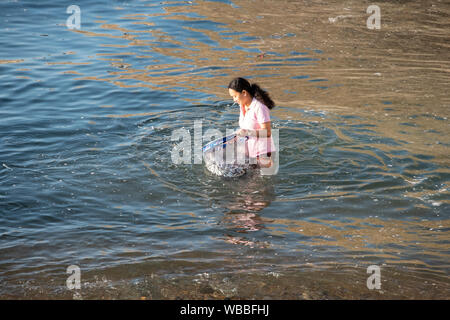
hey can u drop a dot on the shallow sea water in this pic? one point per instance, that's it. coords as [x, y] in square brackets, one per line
[87, 178]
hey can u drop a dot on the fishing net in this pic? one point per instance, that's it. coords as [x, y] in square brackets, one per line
[228, 157]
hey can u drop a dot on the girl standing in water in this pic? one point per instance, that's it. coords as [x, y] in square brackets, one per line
[254, 119]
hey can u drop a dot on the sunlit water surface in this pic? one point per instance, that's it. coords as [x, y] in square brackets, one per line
[87, 178]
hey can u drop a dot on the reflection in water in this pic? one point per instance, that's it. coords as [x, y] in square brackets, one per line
[253, 194]
[364, 137]
[244, 209]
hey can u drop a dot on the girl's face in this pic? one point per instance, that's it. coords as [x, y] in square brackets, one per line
[242, 98]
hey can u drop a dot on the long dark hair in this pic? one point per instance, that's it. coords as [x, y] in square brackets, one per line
[240, 84]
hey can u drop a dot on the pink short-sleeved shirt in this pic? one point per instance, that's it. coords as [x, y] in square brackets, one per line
[257, 114]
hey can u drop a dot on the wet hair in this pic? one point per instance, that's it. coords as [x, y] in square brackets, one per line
[240, 84]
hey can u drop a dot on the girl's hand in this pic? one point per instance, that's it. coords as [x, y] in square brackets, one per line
[242, 133]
